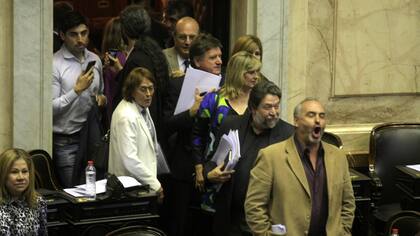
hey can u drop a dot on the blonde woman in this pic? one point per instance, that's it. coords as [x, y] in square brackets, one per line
[242, 74]
[22, 210]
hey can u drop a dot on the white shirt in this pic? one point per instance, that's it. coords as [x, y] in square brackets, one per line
[70, 110]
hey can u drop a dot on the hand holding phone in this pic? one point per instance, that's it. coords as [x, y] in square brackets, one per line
[85, 79]
[113, 52]
[90, 65]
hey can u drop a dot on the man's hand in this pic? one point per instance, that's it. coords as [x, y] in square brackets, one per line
[218, 176]
[160, 195]
[84, 81]
[101, 100]
[197, 101]
[199, 178]
[113, 62]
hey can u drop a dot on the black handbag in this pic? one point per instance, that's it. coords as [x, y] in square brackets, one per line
[114, 187]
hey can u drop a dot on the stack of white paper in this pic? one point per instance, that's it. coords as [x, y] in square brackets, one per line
[414, 167]
[229, 147]
[80, 190]
[199, 79]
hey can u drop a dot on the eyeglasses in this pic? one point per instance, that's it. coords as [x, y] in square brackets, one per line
[184, 37]
[144, 89]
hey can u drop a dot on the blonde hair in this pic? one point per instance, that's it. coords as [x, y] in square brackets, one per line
[7, 159]
[248, 43]
[238, 65]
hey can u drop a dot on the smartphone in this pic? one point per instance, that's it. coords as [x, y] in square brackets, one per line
[113, 52]
[90, 65]
[203, 93]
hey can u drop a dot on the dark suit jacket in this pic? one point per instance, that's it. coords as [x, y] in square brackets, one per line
[223, 201]
[178, 128]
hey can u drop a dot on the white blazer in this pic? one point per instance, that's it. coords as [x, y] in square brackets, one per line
[132, 149]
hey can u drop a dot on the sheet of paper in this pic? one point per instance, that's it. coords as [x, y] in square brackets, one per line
[80, 190]
[222, 150]
[194, 78]
[414, 167]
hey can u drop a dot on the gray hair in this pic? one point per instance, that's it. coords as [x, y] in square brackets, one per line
[135, 21]
[298, 108]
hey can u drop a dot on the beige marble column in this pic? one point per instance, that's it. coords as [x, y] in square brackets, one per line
[32, 65]
[6, 76]
[268, 20]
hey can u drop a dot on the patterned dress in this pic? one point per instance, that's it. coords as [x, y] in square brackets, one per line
[17, 218]
[213, 109]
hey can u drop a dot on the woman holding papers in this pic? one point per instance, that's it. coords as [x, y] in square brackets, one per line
[134, 150]
[232, 99]
[22, 210]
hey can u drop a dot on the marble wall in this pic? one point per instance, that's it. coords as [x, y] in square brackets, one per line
[25, 67]
[6, 76]
[360, 58]
[32, 66]
[377, 47]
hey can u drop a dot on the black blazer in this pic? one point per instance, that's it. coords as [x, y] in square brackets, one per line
[223, 199]
[178, 131]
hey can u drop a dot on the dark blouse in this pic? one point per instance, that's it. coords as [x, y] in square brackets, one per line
[17, 218]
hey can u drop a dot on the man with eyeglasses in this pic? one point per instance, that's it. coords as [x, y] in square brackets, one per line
[258, 128]
[186, 30]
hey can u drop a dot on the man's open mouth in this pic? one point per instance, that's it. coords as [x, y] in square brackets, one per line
[316, 133]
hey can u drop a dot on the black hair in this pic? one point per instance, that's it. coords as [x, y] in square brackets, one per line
[179, 9]
[72, 19]
[201, 44]
[135, 21]
[260, 90]
[60, 10]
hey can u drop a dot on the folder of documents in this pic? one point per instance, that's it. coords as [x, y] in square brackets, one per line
[228, 151]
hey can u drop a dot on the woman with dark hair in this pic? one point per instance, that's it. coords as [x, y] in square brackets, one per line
[115, 54]
[133, 146]
[22, 210]
[144, 52]
[251, 44]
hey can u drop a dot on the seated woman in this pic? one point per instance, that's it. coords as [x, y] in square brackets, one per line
[133, 145]
[22, 210]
